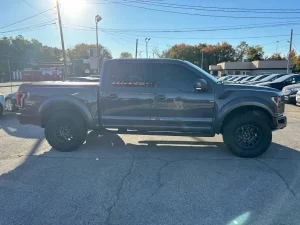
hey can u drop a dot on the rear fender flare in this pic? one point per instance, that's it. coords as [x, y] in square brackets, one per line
[66, 100]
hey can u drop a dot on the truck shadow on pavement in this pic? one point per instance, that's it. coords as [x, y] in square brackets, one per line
[109, 181]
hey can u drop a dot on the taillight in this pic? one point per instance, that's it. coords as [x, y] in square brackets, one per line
[20, 97]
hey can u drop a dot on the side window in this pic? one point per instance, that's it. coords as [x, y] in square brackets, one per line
[297, 79]
[174, 76]
[129, 74]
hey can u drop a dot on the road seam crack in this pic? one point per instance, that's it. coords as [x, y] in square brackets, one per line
[280, 176]
[119, 190]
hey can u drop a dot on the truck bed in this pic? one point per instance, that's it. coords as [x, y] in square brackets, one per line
[58, 95]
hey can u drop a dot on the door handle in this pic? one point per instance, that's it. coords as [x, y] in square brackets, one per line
[112, 96]
[159, 97]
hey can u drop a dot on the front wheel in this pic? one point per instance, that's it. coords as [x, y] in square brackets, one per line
[65, 132]
[248, 135]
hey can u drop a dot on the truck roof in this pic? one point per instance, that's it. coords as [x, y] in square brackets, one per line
[146, 60]
[65, 83]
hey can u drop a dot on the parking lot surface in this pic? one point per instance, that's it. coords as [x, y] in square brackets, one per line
[139, 180]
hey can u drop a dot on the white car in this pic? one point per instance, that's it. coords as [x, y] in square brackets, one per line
[298, 98]
[2, 104]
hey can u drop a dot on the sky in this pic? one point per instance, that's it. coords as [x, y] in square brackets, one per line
[124, 21]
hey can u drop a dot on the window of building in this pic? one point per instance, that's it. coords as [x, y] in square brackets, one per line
[237, 72]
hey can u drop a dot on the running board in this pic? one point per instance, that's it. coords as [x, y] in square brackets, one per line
[161, 133]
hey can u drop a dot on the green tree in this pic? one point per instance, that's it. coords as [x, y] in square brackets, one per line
[82, 51]
[296, 61]
[190, 53]
[241, 50]
[126, 55]
[255, 53]
[276, 56]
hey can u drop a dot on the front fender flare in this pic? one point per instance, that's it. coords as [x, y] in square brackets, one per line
[238, 103]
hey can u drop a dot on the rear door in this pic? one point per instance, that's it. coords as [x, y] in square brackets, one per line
[176, 105]
[126, 98]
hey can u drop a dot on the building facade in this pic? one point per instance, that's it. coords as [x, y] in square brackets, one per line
[258, 67]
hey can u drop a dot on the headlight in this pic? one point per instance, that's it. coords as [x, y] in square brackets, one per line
[276, 100]
[287, 91]
[294, 90]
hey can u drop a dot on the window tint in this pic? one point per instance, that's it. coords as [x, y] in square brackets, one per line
[297, 79]
[174, 76]
[129, 74]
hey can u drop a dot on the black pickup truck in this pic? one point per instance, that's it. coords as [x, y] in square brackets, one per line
[154, 97]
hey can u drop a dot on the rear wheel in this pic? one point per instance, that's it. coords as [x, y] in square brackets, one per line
[10, 106]
[248, 135]
[65, 132]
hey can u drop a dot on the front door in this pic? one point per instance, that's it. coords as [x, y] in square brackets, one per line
[126, 102]
[176, 104]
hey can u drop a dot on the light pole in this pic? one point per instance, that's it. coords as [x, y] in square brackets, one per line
[147, 40]
[97, 20]
[62, 40]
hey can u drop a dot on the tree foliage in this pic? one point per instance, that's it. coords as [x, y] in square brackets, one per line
[255, 53]
[23, 53]
[276, 56]
[126, 55]
[81, 51]
[212, 54]
[241, 50]
[296, 61]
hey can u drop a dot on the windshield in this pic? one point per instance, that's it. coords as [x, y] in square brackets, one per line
[223, 78]
[268, 78]
[239, 79]
[203, 71]
[257, 78]
[247, 79]
[283, 78]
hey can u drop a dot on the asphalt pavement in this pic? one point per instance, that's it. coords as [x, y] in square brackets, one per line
[141, 180]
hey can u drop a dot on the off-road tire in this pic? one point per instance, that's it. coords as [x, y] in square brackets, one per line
[251, 119]
[77, 125]
[14, 108]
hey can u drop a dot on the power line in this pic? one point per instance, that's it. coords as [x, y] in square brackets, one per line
[296, 47]
[29, 27]
[213, 7]
[197, 38]
[207, 9]
[35, 9]
[112, 37]
[20, 21]
[196, 14]
[188, 30]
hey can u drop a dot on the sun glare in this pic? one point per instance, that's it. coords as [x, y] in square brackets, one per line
[72, 6]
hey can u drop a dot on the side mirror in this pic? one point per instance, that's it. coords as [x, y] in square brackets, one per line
[200, 85]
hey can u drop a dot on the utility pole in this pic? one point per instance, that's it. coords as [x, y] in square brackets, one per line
[290, 51]
[277, 47]
[62, 40]
[97, 19]
[202, 60]
[153, 55]
[147, 40]
[9, 76]
[136, 47]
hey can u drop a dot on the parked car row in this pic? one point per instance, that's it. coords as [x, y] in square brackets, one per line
[289, 84]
